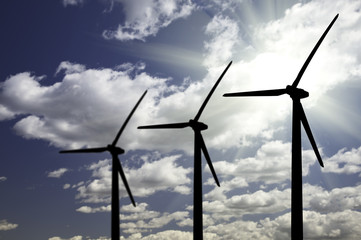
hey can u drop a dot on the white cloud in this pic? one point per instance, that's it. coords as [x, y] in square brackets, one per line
[335, 200]
[2, 179]
[78, 237]
[259, 202]
[338, 225]
[153, 223]
[224, 33]
[344, 162]
[87, 209]
[72, 2]
[57, 173]
[70, 68]
[5, 225]
[86, 108]
[145, 18]
[271, 164]
[163, 174]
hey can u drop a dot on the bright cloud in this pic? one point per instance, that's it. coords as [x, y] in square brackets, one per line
[5, 225]
[57, 173]
[70, 113]
[345, 162]
[164, 174]
[72, 2]
[87, 209]
[224, 38]
[145, 18]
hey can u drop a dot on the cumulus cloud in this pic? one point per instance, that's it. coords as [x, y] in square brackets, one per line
[5, 225]
[145, 18]
[345, 162]
[87, 209]
[156, 222]
[80, 107]
[271, 164]
[163, 174]
[57, 173]
[338, 225]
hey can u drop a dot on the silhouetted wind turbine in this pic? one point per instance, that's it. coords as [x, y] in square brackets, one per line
[199, 146]
[298, 116]
[116, 167]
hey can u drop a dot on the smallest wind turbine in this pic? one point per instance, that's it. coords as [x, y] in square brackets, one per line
[298, 117]
[199, 147]
[116, 167]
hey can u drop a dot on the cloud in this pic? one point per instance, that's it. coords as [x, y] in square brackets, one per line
[271, 164]
[57, 173]
[338, 225]
[162, 174]
[72, 2]
[78, 237]
[145, 18]
[224, 37]
[344, 162]
[83, 105]
[87, 209]
[5, 225]
[143, 221]
[335, 200]
[2, 179]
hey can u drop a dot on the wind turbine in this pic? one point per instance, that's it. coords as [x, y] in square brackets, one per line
[116, 167]
[199, 146]
[298, 116]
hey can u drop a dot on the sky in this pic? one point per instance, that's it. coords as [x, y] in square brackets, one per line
[72, 70]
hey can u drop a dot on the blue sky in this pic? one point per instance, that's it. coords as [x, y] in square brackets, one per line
[72, 70]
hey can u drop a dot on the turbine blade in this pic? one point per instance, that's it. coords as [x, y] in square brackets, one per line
[86, 150]
[127, 120]
[307, 128]
[122, 175]
[273, 92]
[206, 155]
[308, 60]
[210, 93]
[169, 125]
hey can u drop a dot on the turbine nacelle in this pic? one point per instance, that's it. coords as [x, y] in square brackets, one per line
[195, 125]
[296, 93]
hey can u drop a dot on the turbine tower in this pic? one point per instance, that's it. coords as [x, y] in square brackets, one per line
[298, 117]
[199, 146]
[116, 167]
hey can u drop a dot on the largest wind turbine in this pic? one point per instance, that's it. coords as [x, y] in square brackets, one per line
[116, 167]
[199, 146]
[298, 117]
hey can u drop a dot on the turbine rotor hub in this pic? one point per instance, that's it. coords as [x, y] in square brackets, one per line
[197, 125]
[297, 93]
[115, 150]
